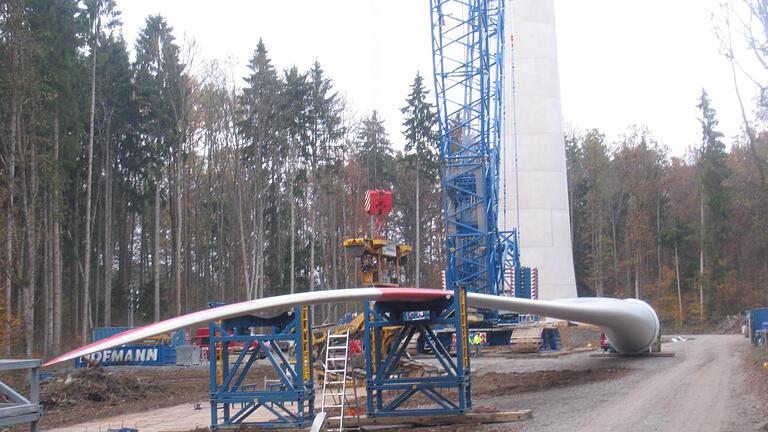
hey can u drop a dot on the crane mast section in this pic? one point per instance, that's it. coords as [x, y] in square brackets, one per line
[468, 60]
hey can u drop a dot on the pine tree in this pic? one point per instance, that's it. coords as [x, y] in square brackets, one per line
[99, 14]
[260, 106]
[116, 121]
[421, 143]
[375, 152]
[160, 95]
[56, 29]
[324, 131]
[21, 83]
[713, 172]
[294, 115]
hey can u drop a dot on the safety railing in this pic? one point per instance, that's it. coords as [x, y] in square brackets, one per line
[21, 409]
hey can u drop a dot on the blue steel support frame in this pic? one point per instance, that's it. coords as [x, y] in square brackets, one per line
[234, 399]
[468, 60]
[387, 391]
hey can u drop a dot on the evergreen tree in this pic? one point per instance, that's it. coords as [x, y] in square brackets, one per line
[116, 121]
[160, 96]
[57, 32]
[294, 115]
[375, 152]
[324, 133]
[265, 153]
[421, 142]
[597, 167]
[260, 108]
[712, 172]
[99, 15]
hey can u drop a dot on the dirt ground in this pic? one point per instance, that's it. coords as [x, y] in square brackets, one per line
[714, 383]
[88, 394]
[107, 397]
[69, 398]
[495, 383]
[756, 377]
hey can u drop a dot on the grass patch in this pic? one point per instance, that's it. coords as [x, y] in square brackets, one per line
[760, 356]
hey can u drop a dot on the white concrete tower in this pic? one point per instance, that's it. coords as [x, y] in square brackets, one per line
[534, 190]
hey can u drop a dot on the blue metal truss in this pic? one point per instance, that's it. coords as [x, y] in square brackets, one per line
[510, 256]
[468, 60]
[235, 394]
[388, 390]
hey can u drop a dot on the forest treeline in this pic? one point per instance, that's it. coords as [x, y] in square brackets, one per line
[144, 182]
[140, 185]
[689, 235]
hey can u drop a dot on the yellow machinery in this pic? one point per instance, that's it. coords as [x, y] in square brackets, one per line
[381, 265]
[381, 261]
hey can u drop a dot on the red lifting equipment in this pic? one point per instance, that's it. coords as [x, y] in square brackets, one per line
[378, 202]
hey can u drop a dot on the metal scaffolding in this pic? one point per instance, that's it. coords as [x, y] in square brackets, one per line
[236, 395]
[449, 391]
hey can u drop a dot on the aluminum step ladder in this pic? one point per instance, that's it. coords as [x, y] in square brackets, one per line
[335, 377]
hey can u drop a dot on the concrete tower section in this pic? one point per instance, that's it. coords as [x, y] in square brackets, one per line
[534, 189]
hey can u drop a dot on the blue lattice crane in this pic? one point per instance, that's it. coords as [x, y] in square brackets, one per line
[468, 57]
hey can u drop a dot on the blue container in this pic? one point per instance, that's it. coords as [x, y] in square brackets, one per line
[100, 333]
[133, 355]
[758, 320]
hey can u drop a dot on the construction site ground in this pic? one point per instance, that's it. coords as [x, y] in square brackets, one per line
[713, 383]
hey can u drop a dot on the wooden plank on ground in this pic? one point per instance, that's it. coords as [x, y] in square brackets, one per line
[437, 420]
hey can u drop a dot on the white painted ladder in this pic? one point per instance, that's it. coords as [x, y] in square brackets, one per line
[335, 377]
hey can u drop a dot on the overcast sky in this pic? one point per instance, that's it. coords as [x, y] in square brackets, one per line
[621, 61]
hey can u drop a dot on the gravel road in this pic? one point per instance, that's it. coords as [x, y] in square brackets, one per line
[702, 388]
